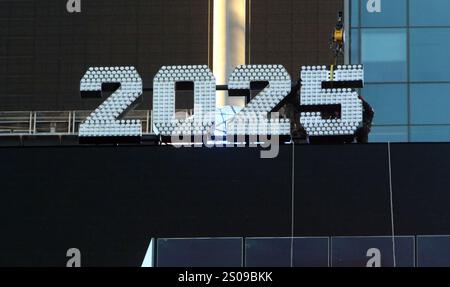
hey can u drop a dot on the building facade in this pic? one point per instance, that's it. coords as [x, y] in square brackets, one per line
[45, 49]
[404, 46]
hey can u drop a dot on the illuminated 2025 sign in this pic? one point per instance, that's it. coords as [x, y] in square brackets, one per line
[321, 87]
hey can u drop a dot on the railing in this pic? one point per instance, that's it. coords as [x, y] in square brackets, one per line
[59, 122]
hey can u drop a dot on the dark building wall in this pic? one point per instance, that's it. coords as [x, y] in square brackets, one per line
[292, 32]
[44, 50]
[109, 201]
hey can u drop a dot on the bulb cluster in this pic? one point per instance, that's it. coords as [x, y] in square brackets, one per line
[103, 122]
[165, 122]
[258, 126]
[184, 127]
[312, 94]
[349, 73]
[252, 119]
[279, 85]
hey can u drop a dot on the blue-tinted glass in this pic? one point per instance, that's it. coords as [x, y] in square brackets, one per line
[430, 59]
[433, 251]
[390, 13]
[429, 12]
[199, 252]
[354, 7]
[311, 252]
[384, 55]
[276, 252]
[430, 134]
[372, 252]
[354, 47]
[389, 102]
[430, 104]
[273, 252]
[389, 134]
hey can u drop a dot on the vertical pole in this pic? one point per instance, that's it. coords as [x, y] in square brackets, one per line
[69, 124]
[347, 32]
[148, 122]
[34, 123]
[74, 121]
[30, 127]
[228, 41]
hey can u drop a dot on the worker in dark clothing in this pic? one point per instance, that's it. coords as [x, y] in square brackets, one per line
[362, 134]
[292, 110]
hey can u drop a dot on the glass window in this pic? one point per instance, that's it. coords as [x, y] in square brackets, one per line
[389, 102]
[384, 54]
[354, 8]
[430, 60]
[391, 13]
[430, 134]
[268, 252]
[433, 251]
[371, 251]
[214, 252]
[389, 134]
[276, 252]
[354, 47]
[429, 12]
[430, 104]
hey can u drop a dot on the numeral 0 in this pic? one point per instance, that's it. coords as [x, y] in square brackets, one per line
[164, 100]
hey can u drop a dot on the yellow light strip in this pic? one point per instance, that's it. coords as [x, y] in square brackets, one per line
[228, 40]
[237, 33]
[220, 41]
[332, 73]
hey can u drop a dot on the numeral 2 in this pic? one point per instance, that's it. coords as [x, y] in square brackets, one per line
[252, 119]
[105, 120]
